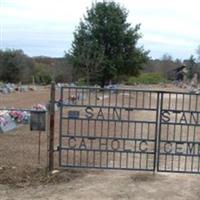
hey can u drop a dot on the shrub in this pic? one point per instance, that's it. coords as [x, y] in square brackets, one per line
[60, 78]
[146, 78]
[43, 78]
[41, 75]
[81, 82]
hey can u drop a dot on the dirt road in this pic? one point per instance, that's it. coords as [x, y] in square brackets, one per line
[113, 185]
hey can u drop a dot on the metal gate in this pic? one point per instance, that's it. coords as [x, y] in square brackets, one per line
[129, 129]
[179, 133]
[108, 129]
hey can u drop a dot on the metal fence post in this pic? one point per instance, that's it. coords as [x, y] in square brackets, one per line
[52, 124]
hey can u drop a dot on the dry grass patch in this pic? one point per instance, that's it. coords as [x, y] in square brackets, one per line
[28, 176]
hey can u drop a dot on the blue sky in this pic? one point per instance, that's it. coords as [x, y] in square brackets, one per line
[45, 27]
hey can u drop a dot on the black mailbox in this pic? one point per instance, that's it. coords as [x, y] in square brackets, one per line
[38, 121]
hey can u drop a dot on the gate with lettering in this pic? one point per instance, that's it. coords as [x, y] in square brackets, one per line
[179, 133]
[129, 129]
[108, 128]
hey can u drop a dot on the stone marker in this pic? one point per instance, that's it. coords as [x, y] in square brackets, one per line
[6, 123]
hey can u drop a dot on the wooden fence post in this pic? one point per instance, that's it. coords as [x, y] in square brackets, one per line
[52, 125]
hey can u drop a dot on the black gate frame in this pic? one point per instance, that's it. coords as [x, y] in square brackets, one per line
[159, 126]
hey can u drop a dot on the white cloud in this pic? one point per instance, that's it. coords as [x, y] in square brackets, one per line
[171, 25]
[59, 10]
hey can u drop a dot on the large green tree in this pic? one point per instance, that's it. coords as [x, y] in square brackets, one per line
[105, 45]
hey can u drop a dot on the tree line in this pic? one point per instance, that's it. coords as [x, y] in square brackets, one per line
[17, 67]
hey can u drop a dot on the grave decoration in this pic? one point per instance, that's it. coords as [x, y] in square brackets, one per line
[20, 116]
[40, 107]
[112, 87]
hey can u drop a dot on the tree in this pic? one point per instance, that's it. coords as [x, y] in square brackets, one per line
[15, 66]
[198, 53]
[41, 74]
[191, 67]
[167, 57]
[167, 64]
[105, 45]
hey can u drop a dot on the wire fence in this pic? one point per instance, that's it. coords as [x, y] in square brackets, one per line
[19, 145]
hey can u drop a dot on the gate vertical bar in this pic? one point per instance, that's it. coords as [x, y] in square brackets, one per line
[159, 130]
[52, 124]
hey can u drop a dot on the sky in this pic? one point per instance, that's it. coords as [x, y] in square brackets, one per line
[45, 27]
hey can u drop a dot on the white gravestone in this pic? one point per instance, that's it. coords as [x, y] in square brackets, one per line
[6, 123]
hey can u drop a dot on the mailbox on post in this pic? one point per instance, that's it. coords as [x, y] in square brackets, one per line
[38, 121]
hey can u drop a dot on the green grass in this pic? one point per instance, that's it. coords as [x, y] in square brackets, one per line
[81, 82]
[146, 78]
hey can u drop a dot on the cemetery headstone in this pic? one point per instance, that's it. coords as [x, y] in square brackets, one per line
[6, 123]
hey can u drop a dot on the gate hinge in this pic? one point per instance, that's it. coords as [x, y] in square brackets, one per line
[56, 148]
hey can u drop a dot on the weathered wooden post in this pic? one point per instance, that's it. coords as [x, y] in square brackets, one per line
[51, 130]
[39, 145]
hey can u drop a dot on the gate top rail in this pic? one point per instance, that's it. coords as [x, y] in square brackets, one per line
[21, 109]
[135, 90]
